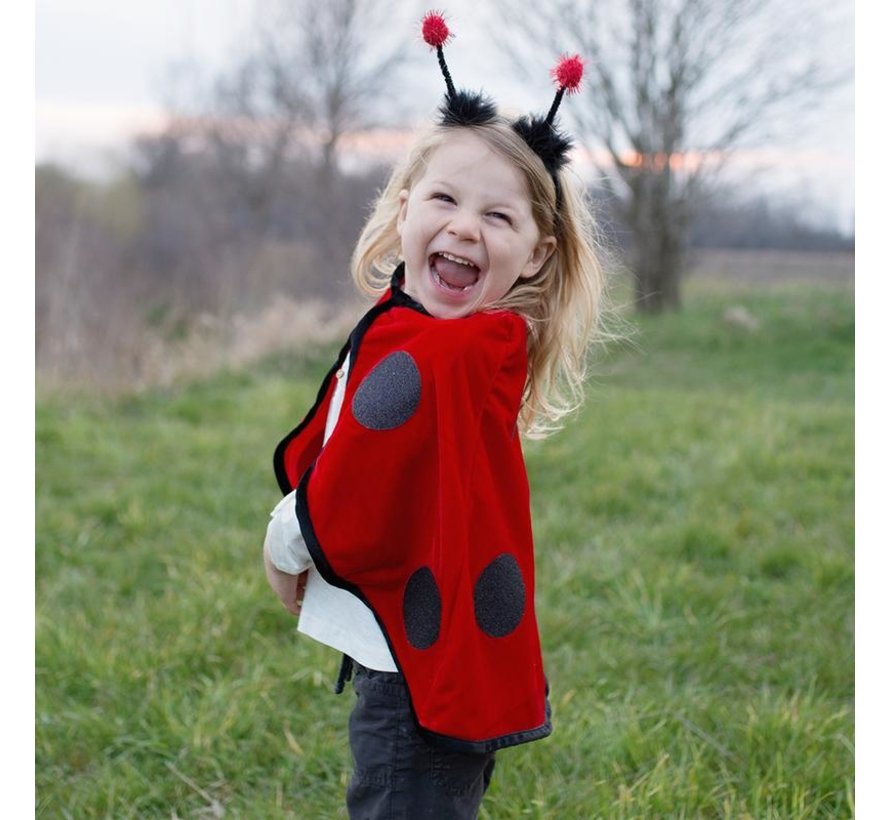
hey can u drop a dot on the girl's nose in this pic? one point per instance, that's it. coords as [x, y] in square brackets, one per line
[464, 225]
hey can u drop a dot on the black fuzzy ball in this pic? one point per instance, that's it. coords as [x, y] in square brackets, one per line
[467, 108]
[547, 141]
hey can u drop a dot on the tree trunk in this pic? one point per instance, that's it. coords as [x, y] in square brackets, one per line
[658, 226]
[657, 278]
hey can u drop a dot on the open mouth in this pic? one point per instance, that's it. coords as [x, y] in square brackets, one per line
[452, 272]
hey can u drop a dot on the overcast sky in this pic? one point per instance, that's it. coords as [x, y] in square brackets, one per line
[103, 68]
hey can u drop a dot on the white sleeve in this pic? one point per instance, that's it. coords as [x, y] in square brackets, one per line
[284, 541]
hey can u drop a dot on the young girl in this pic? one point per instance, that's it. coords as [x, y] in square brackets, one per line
[404, 538]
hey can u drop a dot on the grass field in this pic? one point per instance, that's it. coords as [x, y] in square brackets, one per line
[694, 529]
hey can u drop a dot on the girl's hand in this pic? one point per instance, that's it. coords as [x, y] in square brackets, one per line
[289, 588]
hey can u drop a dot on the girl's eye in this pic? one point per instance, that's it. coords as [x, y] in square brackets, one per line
[499, 215]
[443, 197]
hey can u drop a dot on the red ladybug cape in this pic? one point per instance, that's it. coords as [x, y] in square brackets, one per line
[419, 505]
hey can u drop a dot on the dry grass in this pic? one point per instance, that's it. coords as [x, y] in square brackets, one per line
[764, 267]
[149, 357]
[130, 355]
[242, 340]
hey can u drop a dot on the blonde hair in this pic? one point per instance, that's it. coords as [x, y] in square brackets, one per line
[561, 304]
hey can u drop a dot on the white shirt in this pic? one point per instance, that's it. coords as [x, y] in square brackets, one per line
[330, 615]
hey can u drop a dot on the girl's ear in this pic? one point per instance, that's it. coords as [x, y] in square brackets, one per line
[541, 253]
[403, 210]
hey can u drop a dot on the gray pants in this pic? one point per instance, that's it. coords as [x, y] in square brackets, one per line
[398, 775]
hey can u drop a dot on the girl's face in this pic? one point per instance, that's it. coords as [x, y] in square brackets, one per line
[467, 229]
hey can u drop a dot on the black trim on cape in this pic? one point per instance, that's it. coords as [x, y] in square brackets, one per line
[397, 298]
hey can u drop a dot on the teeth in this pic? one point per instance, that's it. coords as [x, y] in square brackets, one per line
[452, 258]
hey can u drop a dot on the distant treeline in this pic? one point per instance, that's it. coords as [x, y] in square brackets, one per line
[735, 221]
[178, 238]
[763, 224]
[185, 232]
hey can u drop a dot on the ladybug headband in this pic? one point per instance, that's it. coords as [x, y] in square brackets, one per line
[468, 108]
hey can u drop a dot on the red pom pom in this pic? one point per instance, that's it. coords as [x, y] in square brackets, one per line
[568, 73]
[435, 29]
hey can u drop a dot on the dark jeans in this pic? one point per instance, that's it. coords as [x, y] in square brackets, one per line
[398, 775]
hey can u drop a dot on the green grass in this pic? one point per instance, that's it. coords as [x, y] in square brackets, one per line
[694, 528]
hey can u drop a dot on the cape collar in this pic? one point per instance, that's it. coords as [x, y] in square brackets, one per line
[399, 297]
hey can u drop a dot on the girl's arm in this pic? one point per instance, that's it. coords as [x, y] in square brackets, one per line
[285, 556]
[289, 588]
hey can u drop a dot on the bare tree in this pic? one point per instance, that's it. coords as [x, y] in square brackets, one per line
[262, 138]
[672, 89]
[311, 72]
